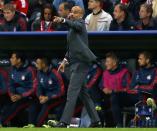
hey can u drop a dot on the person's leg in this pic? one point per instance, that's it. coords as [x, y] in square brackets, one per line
[45, 108]
[118, 102]
[78, 73]
[4, 104]
[33, 111]
[116, 110]
[42, 114]
[12, 110]
[133, 99]
[90, 107]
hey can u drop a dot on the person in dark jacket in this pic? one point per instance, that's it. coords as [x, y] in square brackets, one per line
[22, 83]
[79, 57]
[146, 21]
[122, 20]
[64, 11]
[12, 21]
[50, 88]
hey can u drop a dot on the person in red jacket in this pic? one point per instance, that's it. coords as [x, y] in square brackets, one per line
[21, 6]
[124, 2]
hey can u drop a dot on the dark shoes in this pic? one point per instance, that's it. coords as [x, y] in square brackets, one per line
[92, 125]
[61, 125]
[95, 125]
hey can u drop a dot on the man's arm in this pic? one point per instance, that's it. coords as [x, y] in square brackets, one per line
[76, 25]
[31, 83]
[63, 64]
[134, 83]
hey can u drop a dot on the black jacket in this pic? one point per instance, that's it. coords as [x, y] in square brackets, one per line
[152, 25]
[18, 23]
[77, 40]
[127, 24]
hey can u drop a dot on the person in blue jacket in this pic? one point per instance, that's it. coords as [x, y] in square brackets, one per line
[50, 88]
[144, 80]
[21, 86]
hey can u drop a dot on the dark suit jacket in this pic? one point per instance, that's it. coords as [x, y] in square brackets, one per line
[77, 42]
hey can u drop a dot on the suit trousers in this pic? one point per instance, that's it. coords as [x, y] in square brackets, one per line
[78, 72]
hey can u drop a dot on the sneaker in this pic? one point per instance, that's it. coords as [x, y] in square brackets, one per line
[151, 102]
[52, 123]
[46, 126]
[61, 125]
[95, 124]
[29, 126]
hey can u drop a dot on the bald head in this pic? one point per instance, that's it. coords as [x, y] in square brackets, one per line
[77, 12]
[78, 9]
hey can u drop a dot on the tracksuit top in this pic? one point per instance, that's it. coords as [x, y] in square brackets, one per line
[93, 76]
[50, 84]
[22, 81]
[144, 79]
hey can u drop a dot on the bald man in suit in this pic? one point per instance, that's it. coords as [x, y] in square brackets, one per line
[79, 57]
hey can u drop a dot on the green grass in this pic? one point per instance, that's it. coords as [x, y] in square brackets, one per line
[78, 129]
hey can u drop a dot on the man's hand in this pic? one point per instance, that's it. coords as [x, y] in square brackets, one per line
[58, 19]
[40, 98]
[70, 16]
[62, 65]
[15, 98]
[43, 99]
[107, 91]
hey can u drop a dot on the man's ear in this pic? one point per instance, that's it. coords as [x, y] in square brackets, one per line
[115, 63]
[19, 60]
[148, 61]
[13, 12]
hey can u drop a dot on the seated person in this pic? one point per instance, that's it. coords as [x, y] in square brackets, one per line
[21, 86]
[146, 21]
[49, 92]
[122, 20]
[45, 22]
[12, 20]
[64, 11]
[115, 82]
[98, 20]
[145, 78]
